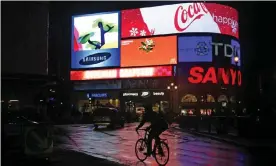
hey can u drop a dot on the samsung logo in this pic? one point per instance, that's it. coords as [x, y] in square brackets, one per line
[95, 58]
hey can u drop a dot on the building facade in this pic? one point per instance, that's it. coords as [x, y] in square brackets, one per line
[187, 59]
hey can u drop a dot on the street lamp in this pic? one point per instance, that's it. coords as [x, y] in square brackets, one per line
[236, 59]
[172, 87]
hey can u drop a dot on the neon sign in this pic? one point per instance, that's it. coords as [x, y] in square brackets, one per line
[158, 93]
[130, 94]
[215, 76]
[97, 95]
[139, 72]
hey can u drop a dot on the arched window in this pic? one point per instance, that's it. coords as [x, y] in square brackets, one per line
[222, 98]
[189, 98]
[210, 98]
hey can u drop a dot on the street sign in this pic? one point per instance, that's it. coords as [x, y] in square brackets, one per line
[38, 140]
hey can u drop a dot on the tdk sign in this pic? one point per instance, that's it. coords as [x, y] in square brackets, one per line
[95, 58]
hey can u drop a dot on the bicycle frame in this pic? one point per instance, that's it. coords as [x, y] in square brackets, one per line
[146, 138]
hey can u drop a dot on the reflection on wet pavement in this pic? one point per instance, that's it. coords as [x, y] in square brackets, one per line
[185, 149]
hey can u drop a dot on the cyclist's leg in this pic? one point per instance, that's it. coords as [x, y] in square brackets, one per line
[150, 138]
[157, 138]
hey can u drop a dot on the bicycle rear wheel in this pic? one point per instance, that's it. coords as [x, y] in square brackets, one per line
[140, 149]
[162, 154]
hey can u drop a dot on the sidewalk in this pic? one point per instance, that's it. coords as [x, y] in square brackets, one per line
[232, 139]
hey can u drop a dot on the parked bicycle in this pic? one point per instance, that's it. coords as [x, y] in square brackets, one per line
[160, 151]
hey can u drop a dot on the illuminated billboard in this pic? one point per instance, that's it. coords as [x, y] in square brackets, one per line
[195, 49]
[209, 74]
[149, 51]
[180, 18]
[139, 72]
[95, 41]
[218, 49]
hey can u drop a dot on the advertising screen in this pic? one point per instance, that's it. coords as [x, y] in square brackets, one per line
[195, 49]
[218, 49]
[237, 52]
[95, 41]
[209, 74]
[149, 51]
[141, 72]
[180, 18]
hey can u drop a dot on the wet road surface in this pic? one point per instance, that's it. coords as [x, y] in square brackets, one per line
[118, 145]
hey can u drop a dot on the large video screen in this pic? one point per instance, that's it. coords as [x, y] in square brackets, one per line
[180, 18]
[138, 72]
[195, 49]
[218, 49]
[149, 51]
[95, 41]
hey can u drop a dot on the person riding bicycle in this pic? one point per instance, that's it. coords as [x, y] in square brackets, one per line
[157, 126]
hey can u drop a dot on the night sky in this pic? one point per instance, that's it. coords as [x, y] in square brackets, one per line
[23, 36]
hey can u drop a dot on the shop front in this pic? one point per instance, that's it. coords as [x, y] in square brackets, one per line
[134, 101]
[89, 100]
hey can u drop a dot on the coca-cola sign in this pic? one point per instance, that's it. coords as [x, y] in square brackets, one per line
[184, 17]
[180, 18]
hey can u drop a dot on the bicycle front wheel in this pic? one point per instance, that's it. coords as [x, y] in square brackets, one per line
[162, 153]
[140, 149]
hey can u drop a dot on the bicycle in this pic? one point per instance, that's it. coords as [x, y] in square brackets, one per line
[141, 146]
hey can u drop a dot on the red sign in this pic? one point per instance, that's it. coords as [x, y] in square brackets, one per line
[139, 72]
[215, 76]
[180, 18]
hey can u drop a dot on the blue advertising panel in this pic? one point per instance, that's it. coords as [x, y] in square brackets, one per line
[237, 52]
[95, 41]
[195, 49]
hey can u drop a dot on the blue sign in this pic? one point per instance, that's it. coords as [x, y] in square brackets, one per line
[95, 58]
[96, 95]
[236, 46]
[96, 40]
[195, 49]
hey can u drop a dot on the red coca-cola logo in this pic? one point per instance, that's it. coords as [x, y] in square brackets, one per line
[189, 15]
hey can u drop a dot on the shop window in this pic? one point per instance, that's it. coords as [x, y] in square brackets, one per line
[206, 112]
[187, 112]
[210, 99]
[189, 98]
[222, 98]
